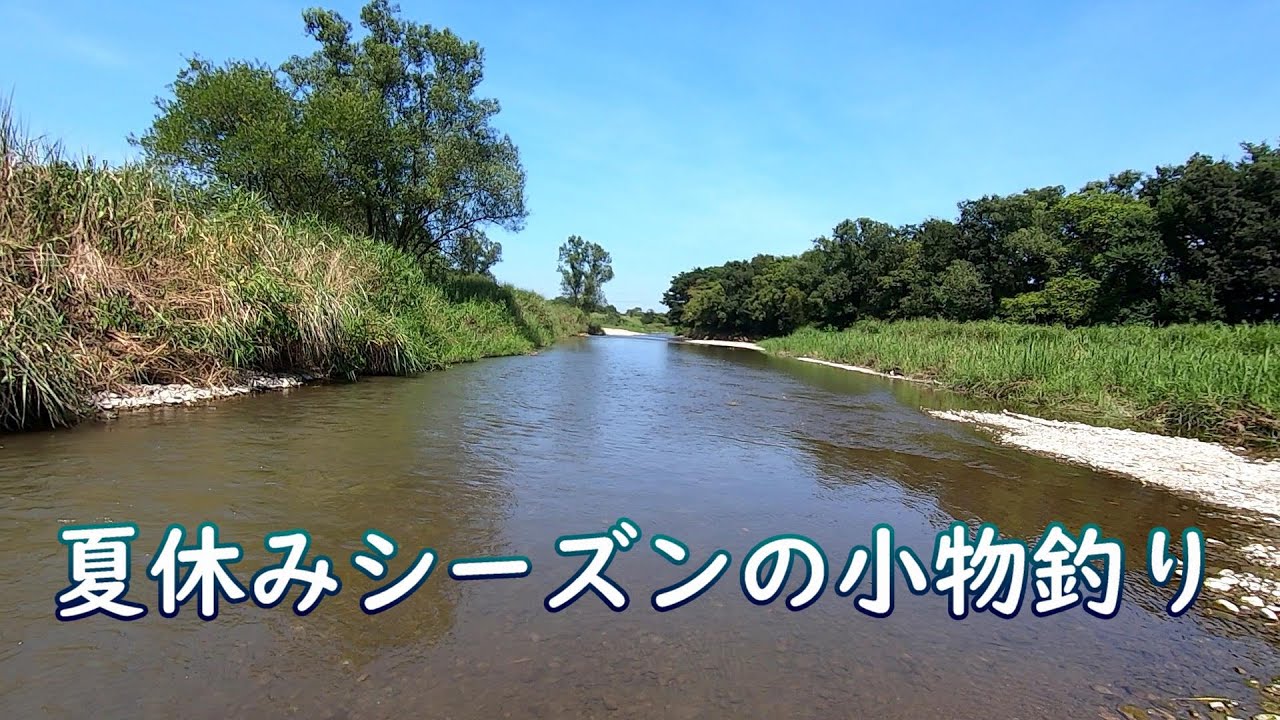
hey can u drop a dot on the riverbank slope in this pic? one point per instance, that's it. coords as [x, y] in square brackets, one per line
[114, 278]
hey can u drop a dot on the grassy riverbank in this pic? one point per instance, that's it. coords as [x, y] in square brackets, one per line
[111, 276]
[1207, 381]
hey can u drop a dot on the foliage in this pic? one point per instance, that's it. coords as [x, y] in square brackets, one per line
[584, 269]
[646, 317]
[1211, 380]
[1067, 300]
[635, 319]
[961, 293]
[1194, 242]
[708, 307]
[114, 276]
[382, 135]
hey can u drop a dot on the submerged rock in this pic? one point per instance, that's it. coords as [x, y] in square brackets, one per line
[1133, 712]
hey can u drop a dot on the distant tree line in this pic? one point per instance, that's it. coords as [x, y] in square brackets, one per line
[647, 317]
[1193, 242]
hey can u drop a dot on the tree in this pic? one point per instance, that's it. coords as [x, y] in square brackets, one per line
[940, 243]
[708, 308]
[475, 253]
[383, 135]
[961, 293]
[677, 296]
[584, 269]
[1112, 237]
[846, 270]
[1014, 239]
[1220, 222]
[779, 299]
[1068, 300]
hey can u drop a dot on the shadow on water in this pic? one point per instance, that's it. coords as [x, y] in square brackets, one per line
[718, 448]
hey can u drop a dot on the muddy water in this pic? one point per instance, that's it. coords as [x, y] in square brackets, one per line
[717, 448]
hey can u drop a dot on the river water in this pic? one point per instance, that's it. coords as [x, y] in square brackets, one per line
[714, 447]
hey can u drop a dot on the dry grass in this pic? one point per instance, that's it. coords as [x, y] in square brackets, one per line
[115, 275]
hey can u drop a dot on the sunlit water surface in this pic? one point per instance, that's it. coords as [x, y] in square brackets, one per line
[716, 448]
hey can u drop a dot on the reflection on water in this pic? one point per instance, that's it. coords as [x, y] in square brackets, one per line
[716, 448]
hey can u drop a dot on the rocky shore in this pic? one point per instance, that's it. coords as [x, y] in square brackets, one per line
[1209, 471]
[133, 397]
[1245, 593]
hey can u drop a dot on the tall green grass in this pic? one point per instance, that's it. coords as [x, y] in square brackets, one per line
[116, 275]
[1209, 381]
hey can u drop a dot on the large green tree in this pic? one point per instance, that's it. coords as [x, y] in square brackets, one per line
[1220, 223]
[383, 134]
[584, 269]
[1111, 236]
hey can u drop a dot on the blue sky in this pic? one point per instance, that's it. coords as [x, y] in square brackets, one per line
[678, 134]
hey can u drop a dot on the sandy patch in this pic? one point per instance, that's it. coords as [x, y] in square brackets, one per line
[725, 343]
[856, 368]
[828, 363]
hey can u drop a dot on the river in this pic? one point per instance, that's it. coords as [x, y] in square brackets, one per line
[714, 447]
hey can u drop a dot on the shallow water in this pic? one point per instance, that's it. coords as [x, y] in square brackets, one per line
[717, 448]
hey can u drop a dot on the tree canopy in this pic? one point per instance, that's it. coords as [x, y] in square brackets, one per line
[1198, 241]
[383, 135]
[584, 269]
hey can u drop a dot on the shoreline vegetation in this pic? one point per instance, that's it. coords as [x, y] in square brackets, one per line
[1107, 404]
[633, 321]
[1208, 382]
[1148, 300]
[1211, 471]
[1211, 383]
[121, 286]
